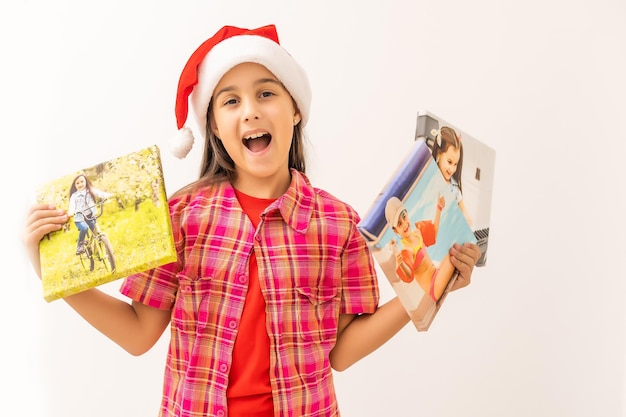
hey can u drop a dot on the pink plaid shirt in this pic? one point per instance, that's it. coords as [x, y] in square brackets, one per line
[313, 266]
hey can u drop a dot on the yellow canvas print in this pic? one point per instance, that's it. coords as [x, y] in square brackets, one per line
[119, 224]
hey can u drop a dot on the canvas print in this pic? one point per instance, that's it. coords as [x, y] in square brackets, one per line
[420, 213]
[119, 224]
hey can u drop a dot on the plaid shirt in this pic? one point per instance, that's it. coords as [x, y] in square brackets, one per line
[313, 265]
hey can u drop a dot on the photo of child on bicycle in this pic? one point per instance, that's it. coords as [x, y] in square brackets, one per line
[118, 224]
[83, 198]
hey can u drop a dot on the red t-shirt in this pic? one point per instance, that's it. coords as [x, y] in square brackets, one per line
[249, 392]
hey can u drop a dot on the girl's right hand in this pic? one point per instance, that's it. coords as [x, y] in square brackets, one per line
[41, 220]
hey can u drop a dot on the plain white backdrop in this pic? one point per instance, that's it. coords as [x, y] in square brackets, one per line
[539, 332]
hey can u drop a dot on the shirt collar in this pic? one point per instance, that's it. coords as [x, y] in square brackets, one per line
[295, 205]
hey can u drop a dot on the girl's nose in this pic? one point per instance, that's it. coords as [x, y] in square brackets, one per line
[250, 110]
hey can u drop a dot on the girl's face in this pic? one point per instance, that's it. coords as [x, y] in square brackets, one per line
[448, 162]
[80, 183]
[403, 228]
[254, 117]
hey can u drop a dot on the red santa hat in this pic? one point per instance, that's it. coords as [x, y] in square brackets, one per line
[229, 47]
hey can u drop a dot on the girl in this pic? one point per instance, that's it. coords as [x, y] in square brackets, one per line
[413, 261]
[273, 284]
[83, 197]
[448, 153]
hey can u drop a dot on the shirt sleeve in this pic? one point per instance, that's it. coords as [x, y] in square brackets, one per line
[102, 194]
[360, 292]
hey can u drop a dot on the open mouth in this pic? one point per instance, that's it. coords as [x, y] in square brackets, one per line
[258, 142]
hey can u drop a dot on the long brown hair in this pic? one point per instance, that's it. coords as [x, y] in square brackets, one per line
[218, 166]
[88, 184]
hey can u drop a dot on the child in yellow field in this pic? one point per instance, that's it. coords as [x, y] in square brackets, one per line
[82, 206]
[412, 260]
[447, 150]
[274, 286]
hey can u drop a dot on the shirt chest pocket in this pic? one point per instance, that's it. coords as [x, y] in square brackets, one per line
[317, 313]
[191, 310]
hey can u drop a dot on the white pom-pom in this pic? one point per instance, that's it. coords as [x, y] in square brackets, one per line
[182, 143]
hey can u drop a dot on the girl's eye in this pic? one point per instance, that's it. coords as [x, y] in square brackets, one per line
[230, 102]
[266, 94]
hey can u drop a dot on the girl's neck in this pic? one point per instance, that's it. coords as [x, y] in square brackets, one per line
[266, 188]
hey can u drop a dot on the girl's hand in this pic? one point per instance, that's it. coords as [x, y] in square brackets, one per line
[441, 202]
[393, 246]
[464, 258]
[41, 220]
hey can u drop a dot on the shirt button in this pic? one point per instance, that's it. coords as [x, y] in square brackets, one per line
[232, 324]
[223, 368]
[258, 238]
[220, 413]
[243, 279]
[188, 288]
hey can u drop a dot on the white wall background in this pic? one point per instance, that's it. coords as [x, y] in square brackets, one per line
[540, 332]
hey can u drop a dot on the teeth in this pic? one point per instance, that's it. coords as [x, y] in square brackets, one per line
[255, 135]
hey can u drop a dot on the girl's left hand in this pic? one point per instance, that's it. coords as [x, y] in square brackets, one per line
[464, 258]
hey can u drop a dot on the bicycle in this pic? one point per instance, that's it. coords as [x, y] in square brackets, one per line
[97, 246]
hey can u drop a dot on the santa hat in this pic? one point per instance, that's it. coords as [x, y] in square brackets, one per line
[229, 47]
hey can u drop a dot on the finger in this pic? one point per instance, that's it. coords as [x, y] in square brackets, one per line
[38, 211]
[460, 282]
[472, 250]
[36, 233]
[41, 220]
[468, 253]
[465, 269]
[39, 216]
[463, 258]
